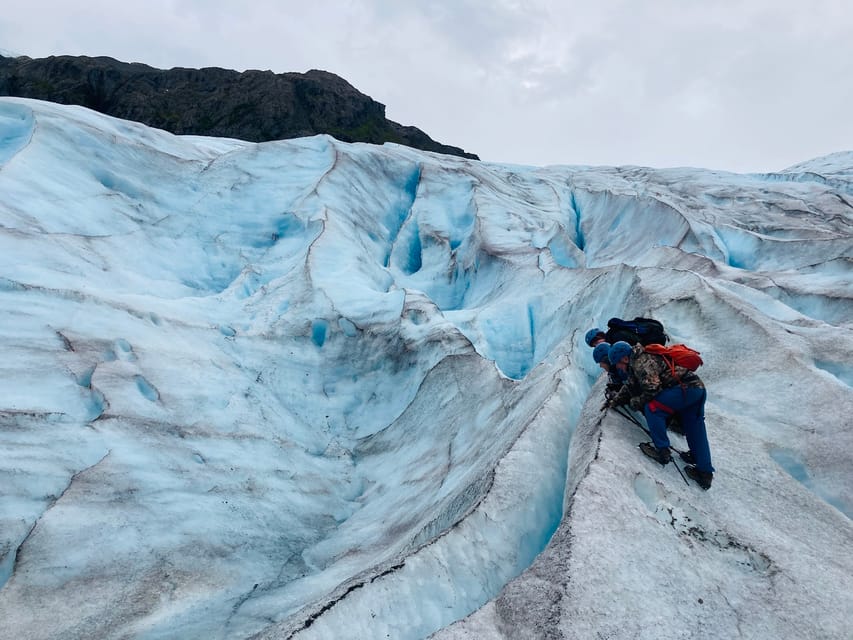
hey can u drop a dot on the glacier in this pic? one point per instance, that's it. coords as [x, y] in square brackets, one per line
[308, 389]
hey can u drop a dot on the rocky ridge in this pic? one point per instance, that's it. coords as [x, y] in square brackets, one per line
[257, 106]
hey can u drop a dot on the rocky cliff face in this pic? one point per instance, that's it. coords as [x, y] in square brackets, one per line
[252, 105]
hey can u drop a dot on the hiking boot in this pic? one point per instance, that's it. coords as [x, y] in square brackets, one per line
[702, 478]
[687, 456]
[658, 455]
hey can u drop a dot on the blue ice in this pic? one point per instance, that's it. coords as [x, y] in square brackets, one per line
[793, 464]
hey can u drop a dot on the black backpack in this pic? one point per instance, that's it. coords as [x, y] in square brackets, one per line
[642, 330]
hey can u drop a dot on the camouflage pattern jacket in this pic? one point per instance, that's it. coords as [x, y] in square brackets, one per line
[648, 375]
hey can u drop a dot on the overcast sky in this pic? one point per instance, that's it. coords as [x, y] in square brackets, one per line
[750, 85]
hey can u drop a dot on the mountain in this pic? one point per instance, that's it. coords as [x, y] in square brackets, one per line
[310, 389]
[257, 106]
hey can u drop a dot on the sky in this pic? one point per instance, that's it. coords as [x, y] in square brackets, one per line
[744, 86]
[317, 390]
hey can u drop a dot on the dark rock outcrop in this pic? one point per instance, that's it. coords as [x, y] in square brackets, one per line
[252, 105]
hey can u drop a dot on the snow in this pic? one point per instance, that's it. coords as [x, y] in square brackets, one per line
[311, 389]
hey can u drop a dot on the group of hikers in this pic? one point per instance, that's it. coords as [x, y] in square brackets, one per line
[659, 381]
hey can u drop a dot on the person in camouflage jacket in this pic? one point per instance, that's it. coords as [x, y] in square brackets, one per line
[659, 392]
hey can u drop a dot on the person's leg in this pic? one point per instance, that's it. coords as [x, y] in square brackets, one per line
[656, 420]
[692, 412]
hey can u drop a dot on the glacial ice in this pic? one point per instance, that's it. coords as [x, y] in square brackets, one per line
[312, 389]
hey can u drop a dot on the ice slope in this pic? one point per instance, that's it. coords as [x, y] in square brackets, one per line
[317, 390]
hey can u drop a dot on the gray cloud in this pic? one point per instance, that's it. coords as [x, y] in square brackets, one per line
[753, 85]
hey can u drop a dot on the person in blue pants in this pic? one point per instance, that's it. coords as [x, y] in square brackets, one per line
[660, 391]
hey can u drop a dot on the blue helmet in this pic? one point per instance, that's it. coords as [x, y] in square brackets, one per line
[618, 351]
[601, 352]
[591, 335]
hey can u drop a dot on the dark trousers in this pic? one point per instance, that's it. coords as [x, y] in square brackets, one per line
[689, 405]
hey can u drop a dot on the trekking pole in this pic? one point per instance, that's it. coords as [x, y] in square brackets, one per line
[648, 433]
[632, 419]
[680, 472]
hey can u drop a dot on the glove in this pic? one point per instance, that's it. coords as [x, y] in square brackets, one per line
[636, 404]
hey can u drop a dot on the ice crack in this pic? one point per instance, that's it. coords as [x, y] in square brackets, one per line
[10, 560]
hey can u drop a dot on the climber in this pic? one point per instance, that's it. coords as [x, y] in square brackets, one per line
[594, 337]
[615, 378]
[659, 389]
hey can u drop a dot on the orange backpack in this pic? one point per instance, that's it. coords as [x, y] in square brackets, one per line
[677, 355]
